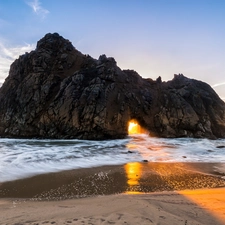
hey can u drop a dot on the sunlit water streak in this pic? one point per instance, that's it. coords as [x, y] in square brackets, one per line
[21, 158]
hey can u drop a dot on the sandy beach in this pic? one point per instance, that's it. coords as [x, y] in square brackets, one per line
[135, 193]
[204, 207]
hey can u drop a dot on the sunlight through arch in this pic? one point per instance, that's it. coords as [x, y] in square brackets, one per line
[135, 128]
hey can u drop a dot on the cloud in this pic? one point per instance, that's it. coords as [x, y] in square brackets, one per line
[219, 84]
[38, 9]
[8, 55]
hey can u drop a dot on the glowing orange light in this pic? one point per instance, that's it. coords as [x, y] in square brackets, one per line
[211, 200]
[134, 127]
[133, 172]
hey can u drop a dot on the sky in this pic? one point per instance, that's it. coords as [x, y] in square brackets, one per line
[153, 37]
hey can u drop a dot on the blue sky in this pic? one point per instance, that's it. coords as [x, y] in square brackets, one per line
[153, 37]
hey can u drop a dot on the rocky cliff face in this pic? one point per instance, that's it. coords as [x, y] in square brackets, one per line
[57, 92]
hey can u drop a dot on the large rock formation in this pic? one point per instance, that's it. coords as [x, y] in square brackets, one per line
[57, 92]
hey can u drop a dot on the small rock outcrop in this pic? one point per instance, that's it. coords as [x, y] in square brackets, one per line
[56, 91]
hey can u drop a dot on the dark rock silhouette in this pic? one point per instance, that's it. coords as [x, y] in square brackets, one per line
[57, 92]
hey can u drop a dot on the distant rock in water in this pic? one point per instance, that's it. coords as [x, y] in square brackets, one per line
[57, 92]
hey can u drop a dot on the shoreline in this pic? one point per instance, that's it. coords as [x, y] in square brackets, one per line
[132, 177]
[134, 193]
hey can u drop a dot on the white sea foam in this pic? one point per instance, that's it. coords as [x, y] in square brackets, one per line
[21, 158]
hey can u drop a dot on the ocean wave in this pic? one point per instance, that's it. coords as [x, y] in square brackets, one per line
[21, 158]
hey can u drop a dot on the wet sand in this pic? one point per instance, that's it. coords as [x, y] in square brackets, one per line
[132, 177]
[135, 193]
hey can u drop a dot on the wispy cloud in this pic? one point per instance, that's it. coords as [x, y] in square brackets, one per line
[8, 55]
[38, 9]
[219, 84]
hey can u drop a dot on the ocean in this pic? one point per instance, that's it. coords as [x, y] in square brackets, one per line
[20, 158]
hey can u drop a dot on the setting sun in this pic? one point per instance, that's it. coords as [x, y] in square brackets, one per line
[134, 127]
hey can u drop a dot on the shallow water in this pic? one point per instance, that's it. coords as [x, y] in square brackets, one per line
[21, 158]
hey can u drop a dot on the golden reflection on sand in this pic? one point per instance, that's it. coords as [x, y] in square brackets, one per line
[175, 176]
[212, 200]
[133, 172]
